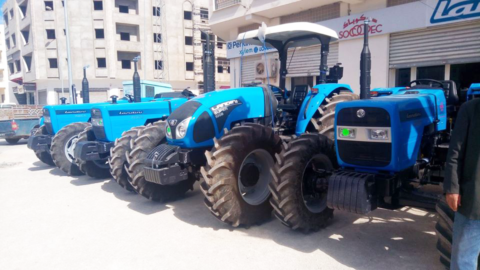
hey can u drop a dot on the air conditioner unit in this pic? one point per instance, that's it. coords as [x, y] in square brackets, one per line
[261, 71]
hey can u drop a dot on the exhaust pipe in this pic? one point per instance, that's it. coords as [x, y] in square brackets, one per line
[137, 89]
[85, 87]
[365, 64]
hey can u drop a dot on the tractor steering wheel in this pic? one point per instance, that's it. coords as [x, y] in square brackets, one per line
[429, 82]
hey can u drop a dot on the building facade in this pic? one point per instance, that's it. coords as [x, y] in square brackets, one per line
[6, 94]
[409, 39]
[105, 36]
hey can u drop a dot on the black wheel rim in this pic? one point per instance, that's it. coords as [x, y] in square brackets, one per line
[315, 183]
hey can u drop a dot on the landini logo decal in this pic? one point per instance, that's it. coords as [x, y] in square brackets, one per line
[452, 10]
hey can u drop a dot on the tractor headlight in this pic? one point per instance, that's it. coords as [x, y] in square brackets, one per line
[378, 134]
[168, 131]
[347, 133]
[46, 119]
[97, 122]
[181, 130]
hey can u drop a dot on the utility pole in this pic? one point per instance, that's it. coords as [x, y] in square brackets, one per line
[69, 58]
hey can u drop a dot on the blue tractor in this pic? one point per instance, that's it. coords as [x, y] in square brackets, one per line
[473, 91]
[99, 154]
[388, 152]
[242, 130]
[54, 142]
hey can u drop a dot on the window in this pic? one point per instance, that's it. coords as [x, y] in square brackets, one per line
[11, 14]
[97, 5]
[204, 37]
[149, 91]
[189, 66]
[220, 45]
[23, 9]
[5, 18]
[402, 77]
[64, 32]
[188, 40]
[123, 9]
[223, 64]
[48, 5]
[220, 69]
[26, 35]
[7, 42]
[126, 64]
[28, 61]
[158, 65]
[14, 40]
[101, 62]
[433, 72]
[204, 13]
[50, 33]
[187, 15]
[11, 68]
[99, 34]
[18, 66]
[156, 11]
[125, 36]
[52, 62]
[157, 38]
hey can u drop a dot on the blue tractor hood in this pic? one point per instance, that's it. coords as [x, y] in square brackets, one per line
[111, 120]
[405, 117]
[62, 115]
[208, 114]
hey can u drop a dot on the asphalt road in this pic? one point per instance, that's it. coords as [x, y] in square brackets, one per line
[51, 221]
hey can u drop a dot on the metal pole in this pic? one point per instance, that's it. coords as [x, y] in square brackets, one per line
[69, 58]
[365, 64]
[137, 88]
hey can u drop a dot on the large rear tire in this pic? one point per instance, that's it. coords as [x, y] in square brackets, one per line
[444, 229]
[118, 160]
[63, 145]
[295, 202]
[235, 181]
[324, 119]
[44, 156]
[12, 140]
[148, 138]
[95, 169]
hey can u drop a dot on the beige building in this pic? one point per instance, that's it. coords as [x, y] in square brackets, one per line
[105, 35]
[6, 96]
[409, 39]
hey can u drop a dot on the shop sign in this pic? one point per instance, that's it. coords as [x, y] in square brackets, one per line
[354, 27]
[454, 10]
[237, 49]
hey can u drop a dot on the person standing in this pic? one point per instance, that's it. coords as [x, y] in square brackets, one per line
[462, 186]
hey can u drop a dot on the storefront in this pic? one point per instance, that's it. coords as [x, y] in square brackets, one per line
[423, 39]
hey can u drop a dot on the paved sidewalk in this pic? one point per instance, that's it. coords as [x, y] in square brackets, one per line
[52, 221]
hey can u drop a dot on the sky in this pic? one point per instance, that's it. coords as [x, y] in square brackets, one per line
[1, 4]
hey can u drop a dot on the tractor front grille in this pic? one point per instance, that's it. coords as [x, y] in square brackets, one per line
[99, 132]
[368, 154]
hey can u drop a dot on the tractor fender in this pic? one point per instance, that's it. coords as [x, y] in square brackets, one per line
[313, 101]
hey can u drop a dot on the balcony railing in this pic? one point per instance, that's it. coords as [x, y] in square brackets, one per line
[219, 4]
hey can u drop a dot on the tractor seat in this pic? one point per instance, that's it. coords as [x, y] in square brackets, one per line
[295, 101]
[451, 93]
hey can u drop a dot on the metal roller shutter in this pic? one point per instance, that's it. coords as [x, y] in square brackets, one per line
[306, 60]
[42, 97]
[248, 68]
[98, 96]
[439, 45]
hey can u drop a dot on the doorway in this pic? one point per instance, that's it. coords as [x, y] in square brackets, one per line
[465, 74]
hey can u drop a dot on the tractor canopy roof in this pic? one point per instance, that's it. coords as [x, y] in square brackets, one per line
[475, 86]
[295, 34]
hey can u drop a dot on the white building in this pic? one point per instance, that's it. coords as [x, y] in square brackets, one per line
[409, 39]
[6, 95]
[106, 35]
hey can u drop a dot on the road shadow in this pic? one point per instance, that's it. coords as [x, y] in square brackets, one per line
[5, 143]
[136, 202]
[382, 240]
[85, 180]
[39, 166]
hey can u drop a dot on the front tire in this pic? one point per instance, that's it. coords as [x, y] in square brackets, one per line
[235, 181]
[148, 138]
[297, 204]
[12, 140]
[118, 160]
[44, 156]
[95, 169]
[63, 145]
[444, 230]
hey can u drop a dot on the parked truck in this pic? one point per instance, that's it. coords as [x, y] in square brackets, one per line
[18, 121]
